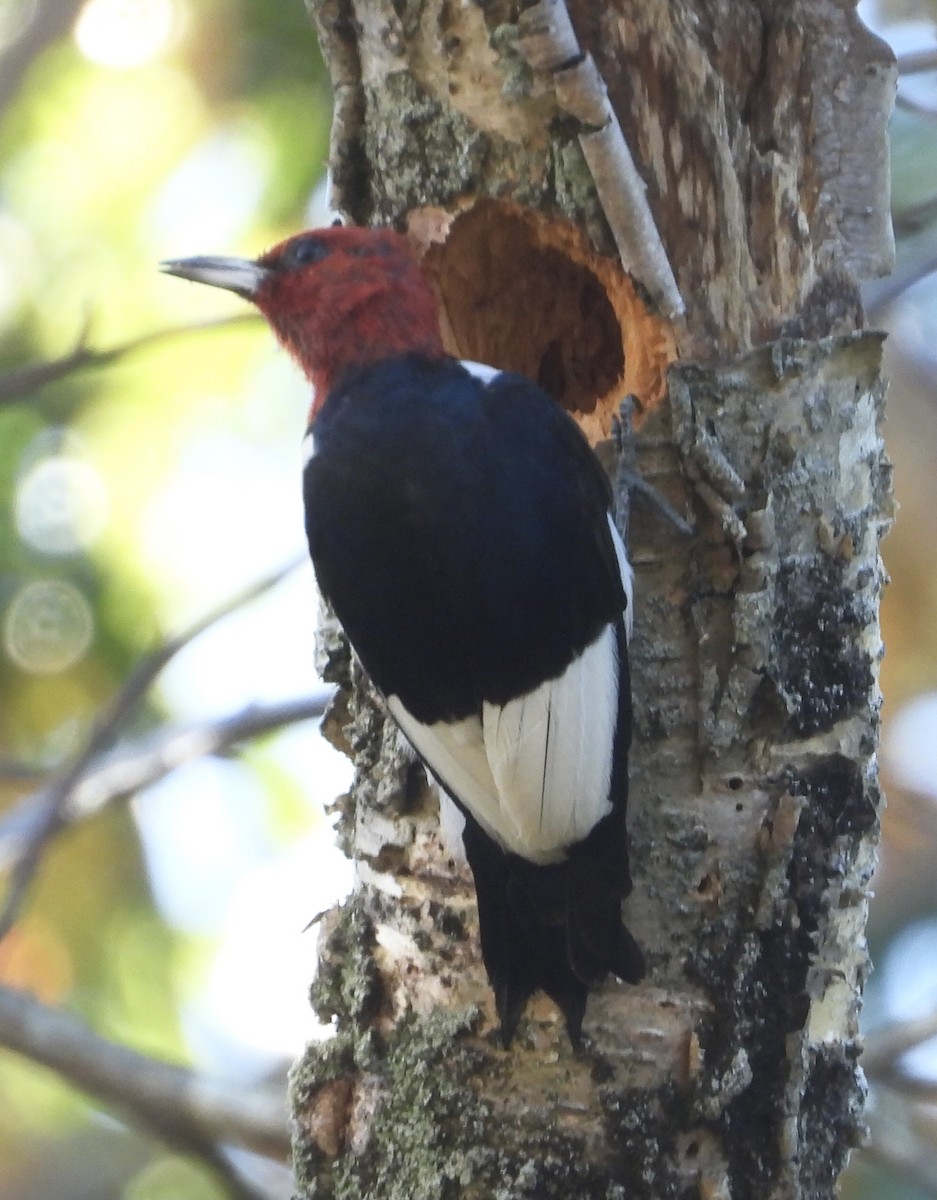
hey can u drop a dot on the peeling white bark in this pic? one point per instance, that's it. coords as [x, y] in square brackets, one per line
[548, 42]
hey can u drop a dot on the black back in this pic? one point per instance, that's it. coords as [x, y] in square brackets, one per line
[460, 533]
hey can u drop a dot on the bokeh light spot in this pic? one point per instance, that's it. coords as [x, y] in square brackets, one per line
[125, 33]
[61, 505]
[212, 195]
[48, 626]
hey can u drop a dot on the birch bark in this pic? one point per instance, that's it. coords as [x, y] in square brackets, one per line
[668, 198]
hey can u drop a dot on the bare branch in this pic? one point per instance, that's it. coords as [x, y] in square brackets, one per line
[16, 384]
[185, 1109]
[14, 772]
[878, 294]
[904, 1142]
[886, 1046]
[121, 773]
[915, 218]
[548, 42]
[47, 22]
[103, 733]
[918, 62]
[915, 106]
[911, 1087]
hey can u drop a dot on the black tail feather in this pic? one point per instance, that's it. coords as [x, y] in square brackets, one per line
[556, 928]
[597, 878]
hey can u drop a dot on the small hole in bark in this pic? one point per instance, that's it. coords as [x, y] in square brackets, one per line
[736, 782]
[709, 887]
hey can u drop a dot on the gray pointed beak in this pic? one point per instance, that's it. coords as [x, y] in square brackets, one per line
[235, 274]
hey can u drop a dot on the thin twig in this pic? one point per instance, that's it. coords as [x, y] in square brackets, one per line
[917, 62]
[21, 382]
[15, 772]
[915, 106]
[185, 1109]
[103, 733]
[903, 1143]
[885, 1046]
[123, 772]
[878, 294]
[912, 219]
[44, 23]
[911, 1087]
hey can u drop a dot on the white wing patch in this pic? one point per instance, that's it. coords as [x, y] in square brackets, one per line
[455, 752]
[550, 752]
[482, 372]
[534, 773]
[627, 576]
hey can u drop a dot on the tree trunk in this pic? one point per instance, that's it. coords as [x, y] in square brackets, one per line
[720, 292]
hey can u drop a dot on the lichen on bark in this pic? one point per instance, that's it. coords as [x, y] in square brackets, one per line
[778, 839]
[733, 1069]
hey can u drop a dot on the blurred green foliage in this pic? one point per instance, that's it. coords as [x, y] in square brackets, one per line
[149, 129]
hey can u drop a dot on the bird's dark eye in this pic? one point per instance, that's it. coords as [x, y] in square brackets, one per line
[304, 251]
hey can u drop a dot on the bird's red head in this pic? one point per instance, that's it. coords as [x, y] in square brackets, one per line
[336, 298]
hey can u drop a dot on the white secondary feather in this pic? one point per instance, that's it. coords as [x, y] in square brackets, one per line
[451, 827]
[550, 753]
[534, 773]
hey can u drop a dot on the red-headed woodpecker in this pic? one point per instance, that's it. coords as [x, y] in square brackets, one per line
[460, 527]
